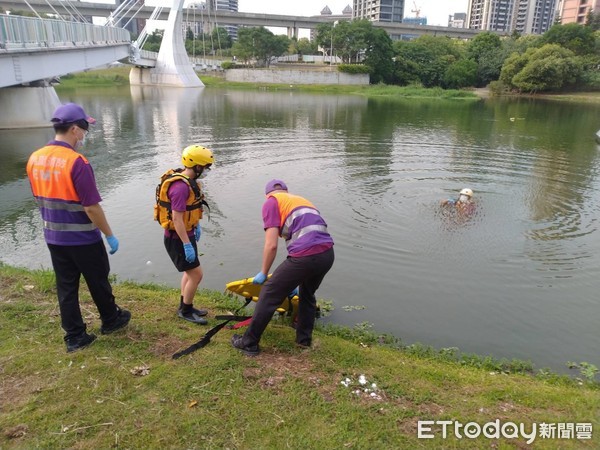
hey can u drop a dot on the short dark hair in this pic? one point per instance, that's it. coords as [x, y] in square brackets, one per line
[62, 128]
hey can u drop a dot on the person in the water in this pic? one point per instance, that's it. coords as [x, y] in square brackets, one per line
[464, 202]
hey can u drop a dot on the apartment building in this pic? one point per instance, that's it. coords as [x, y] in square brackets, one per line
[534, 16]
[378, 10]
[491, 15]
[523, 16]
[576, 11]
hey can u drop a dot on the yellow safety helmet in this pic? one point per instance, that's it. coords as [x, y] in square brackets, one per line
[466, 191]
[194, 155]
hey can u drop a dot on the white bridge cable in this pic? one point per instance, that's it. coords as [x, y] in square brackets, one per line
[217, 29]
[77, 13]
[58, 15]
[32, 9]
[133, 16]
[143, 37]
[119, 13]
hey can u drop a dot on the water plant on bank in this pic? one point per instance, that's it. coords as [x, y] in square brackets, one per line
[356, 392]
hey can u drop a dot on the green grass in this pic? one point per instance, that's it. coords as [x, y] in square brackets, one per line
[115, 76]
[120, 76]
[218, 398]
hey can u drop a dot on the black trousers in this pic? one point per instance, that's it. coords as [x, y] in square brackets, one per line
[306, 272]
[70, 262]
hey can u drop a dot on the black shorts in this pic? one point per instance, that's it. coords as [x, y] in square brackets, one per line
[175, 250]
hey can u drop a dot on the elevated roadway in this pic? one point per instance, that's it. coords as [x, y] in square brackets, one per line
[291, 23]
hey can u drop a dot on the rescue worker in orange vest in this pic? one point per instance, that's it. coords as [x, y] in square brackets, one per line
[310, 256]
[63, 184]
[179, 211]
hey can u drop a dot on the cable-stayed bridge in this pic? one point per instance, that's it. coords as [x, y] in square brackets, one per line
[35, 50]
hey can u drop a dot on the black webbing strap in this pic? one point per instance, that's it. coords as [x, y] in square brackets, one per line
[209, 334]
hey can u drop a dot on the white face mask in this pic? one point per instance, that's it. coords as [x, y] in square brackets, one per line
[463, 198]
[81, 142]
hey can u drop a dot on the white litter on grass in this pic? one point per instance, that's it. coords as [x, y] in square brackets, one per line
[361, 389]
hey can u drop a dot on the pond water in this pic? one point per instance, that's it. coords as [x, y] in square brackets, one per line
[518, 278]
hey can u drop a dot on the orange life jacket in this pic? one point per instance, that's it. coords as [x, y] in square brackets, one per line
[162, 208]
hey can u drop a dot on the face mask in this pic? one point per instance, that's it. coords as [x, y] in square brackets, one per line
[463, 198]
[204, 172]
[80, 142]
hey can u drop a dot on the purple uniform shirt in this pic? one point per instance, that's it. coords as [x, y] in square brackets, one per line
[311, 243]
[178, 194]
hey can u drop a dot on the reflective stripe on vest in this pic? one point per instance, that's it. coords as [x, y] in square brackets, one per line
[291, 208]
[55, 226]
[49, 171]
[49, 204]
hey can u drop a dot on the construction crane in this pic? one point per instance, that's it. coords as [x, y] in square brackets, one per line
[417, 10]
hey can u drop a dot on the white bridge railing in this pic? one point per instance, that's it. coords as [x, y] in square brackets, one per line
[19, 33]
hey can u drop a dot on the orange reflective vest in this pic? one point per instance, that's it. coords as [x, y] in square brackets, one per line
[292, 208]
[162, 208]
[65, 220]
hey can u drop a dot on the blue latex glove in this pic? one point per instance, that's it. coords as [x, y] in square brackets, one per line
[259, 278]
[293, 293]
[113, 242]
[198, 232]
[190, 254]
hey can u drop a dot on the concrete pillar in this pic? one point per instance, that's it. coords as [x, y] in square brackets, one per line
[173, 67]
[27, 107]
[292, 32]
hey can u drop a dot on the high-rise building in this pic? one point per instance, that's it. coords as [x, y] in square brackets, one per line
[457, 20]
[220, 5]
[533, 16]
[491, 15]
[378, 10]
[576, 11]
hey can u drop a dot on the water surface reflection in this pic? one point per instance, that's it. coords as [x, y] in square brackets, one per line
[518, 279]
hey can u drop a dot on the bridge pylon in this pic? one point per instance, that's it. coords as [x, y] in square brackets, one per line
[173, 66]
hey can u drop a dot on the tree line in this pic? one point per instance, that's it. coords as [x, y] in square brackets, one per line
[566, 57]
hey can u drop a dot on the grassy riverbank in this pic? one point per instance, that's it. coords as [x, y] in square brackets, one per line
[125, 391]
[120, 76]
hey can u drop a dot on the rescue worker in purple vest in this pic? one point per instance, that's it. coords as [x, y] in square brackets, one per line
[310, 256]
[63, 184]
[179, 213]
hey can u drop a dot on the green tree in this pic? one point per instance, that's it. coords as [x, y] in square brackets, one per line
[577, 38]
[460, 74]
[302, 46]
[153, 41]
[593, 20]
[426, 58]
[485, 50]
[379, 55]
[548, 68]
[260, 45]
[221, 38]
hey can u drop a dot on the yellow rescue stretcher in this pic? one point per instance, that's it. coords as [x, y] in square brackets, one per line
[246, 289]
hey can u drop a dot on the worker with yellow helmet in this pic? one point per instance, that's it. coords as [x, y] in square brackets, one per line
[179, 207]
